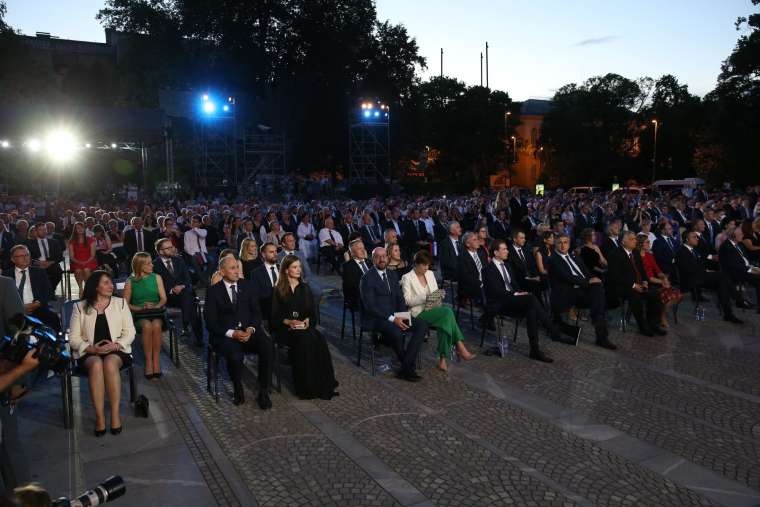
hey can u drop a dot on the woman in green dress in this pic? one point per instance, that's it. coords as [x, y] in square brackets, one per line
[144, 292]
[416, 285]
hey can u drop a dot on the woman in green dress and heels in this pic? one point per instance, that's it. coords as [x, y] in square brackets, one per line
[416, 285]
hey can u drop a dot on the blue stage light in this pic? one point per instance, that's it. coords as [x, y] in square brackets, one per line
[377, 114]
[226, 108]
[366, 114]
[209, 107]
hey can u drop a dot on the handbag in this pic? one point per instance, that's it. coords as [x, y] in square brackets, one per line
[151, 313]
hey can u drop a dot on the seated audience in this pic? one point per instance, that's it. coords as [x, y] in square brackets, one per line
[249, 258]
[307, 237]
[734, 261]
[331, 244]
[449, 250]
[289, 248]
[81, 255]
[47, 253]
[33, 285]
[668, 294]
[265, 278]
[591, 254]
[395, 262]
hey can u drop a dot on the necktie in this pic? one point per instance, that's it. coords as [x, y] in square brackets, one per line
[233, 290]
[746, 262]
[573, 269]
[521, 255]
[139, 241]
[44, 248]
[670, 244]
[364, 267]
[21, 284]
[170, 266]
[371, 236]
[507, 280]
[476, 258]
[350, 230]
[274, 275]
[456, 248]
[385, 279]
[331, 235]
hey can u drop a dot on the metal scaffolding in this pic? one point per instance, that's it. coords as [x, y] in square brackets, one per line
[369, 142]
[264, 155]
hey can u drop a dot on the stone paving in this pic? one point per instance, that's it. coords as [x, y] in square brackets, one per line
[660, 422]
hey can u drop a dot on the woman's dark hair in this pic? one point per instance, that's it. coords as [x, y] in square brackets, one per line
[422, 257]
[587, 235]
[746, 228]
[283, 284]
[99, 228]
[74, 237]
[90, 292]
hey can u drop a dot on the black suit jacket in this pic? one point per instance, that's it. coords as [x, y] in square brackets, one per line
[41, 289]
[495, 289]
[352, 276]
[264, 288]
[731, 260]
[368, 244]
[378, 300]
[622, 275]
[55, 251]
[6, 243]
[562, 280]
[467, 274]
[130, 243]
[705, 247]
[519, 268]
[448, 257]
[344, 232]
[664, 254]
[414, 234]
[499, 230]
[221, 315]
[609, 247]
[181, 274]
[691, 268]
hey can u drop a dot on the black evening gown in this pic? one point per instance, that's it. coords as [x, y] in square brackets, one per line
[313, 374]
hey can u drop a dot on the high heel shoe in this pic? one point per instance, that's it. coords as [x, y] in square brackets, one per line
[157, 375]
[100, 433]
[114, 431]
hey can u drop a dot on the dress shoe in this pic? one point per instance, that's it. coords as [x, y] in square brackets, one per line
[732, 318]
[263, 400]
[100, 433]
[540, 356]
[659, 331]
[606, 344]
[405, 375]
[116, 431]
[744, 304]
[238, 395]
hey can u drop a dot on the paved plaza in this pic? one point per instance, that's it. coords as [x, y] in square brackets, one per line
[662, 421]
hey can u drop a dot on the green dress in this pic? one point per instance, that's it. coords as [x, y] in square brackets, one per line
[144, 290]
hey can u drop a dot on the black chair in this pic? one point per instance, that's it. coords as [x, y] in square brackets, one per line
[352, 308]
[500, 324]
[71, 370]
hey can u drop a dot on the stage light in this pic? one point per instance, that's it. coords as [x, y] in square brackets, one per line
[205, 97]
[226, 108]
[114, 145]
[5, 144]
[229, 99]
[61, 145]
[88, 145]
[386, 115]
[366, 114]
[33, 145]
[377, 113]
[209, 107]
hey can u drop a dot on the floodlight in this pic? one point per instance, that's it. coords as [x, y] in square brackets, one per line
[366, 114]
[209, 107]
[226, 108]
[114, 145]
[205, 97]
[61, 145]
[5, 144]
[33, 145]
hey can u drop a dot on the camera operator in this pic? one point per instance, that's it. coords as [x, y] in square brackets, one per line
[13, 463]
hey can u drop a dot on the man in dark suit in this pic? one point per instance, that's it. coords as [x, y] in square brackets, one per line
[33, 286]
[347, 226]
[470, 268]
[627, 280]
[706, 248]
[178, 286]
[233, 320]
[415, 236]
[265, 278]
[6, 243]
[573, 285]
[735, 262]
[583, 220]
[504, 297]
[371, 233]
[382, 299]
[353, 270]
[499, 228]
[523, 264]
[449, 250]
[611, 242]
[694, 275]
[47, 254]
[712, 227]
[664, 248]
[138, 239]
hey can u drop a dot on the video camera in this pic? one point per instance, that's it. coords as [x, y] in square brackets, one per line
[110, 489]
[27, 333]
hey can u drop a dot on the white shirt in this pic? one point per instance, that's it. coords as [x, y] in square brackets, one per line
[305, 230]
[43, 249]
[268, 267]
[360, 262]
[746, 262]
[195, 242]
[28, 296]
[325, 235]
[455, 244]
[569, 259]
[228, 286]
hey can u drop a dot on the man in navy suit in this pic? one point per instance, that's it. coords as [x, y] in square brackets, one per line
[265, 278]
[233, 320]
[735, 262]
[33, 286]
[382, 298]
[47, 254]
[178, 285]
[665, 247]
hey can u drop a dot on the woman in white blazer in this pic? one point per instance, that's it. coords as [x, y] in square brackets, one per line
[100, 336]
[416, 285]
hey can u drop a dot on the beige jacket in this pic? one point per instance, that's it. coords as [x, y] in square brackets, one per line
[415, 294]
[120, 324]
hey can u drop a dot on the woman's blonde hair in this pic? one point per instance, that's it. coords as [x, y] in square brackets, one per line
[139, 260]
[243, 255]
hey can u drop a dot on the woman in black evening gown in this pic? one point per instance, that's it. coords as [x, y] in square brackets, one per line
[294, 323]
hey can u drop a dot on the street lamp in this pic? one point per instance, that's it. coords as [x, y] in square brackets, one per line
[654, 155]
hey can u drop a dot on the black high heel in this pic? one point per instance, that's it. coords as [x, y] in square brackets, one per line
[114, 431]
[100, 433]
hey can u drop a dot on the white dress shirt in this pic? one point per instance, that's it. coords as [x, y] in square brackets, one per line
[28, 295]
[195, 242]
[44, 247]
[329, 234]
[228, 286]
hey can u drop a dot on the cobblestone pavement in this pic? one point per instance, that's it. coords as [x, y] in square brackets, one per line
[670, 421]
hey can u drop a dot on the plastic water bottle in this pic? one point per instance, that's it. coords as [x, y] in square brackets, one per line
[503, 346]
[383, 365]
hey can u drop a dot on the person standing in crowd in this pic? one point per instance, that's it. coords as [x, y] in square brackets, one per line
[294, 322]
[144, 292]
[82, 255]
[101, 339]
[417, 285]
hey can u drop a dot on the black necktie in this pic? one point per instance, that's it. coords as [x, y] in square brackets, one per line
[44, 248]
[371, 236]
[233, 289]
[364, 267]
[170, 266]
[274, 275]
[520, 254]
[385, 279]
[21, 284]
[331, 235]
[139, 241]
[505, 274]
[572, 268]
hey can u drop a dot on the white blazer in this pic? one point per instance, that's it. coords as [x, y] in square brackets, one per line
[415, 294]
[120, 324]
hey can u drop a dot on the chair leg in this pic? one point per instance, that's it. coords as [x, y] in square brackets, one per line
[353, 324]
[343, 324]
[66, 398]
[675, 313]
[277, 373]
[482, 336]
[359, 349]
[372, 358]
[517, 327]
[216, 376]
[472, 317]
[132, 384]
[209, 369]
